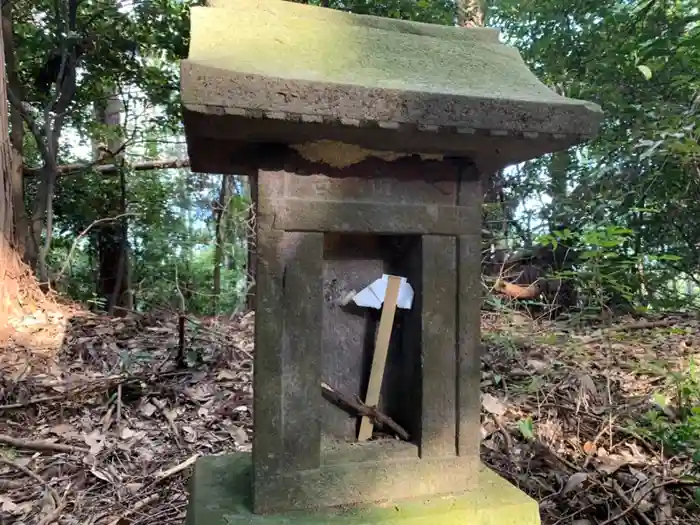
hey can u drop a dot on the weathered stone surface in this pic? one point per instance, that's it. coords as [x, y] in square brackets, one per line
[415, 79]
[350, 262]
[439, 431]
[230, 144]
[353, 483]
[469, 315]
[287, 370]
[370, 217]
[301, 442]
[220, 495]
[301, 377]
[368, 139]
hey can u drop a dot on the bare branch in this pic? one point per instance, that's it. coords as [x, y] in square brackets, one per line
[25, 111]
[83, 234]
[106, 169]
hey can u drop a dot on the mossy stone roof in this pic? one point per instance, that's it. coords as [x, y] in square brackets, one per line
[295, 62]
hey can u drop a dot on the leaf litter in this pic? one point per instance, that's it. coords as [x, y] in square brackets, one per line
[105, 430]
[567, 436]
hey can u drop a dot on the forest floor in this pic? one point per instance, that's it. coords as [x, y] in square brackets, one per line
[105, 429]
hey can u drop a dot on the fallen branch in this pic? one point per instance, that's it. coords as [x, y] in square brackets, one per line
[30, 402]
[634, 504]
[41, 446]
[171, 424]
[211, 330]
[55, 514]
[47, 520]
[34, 476]
[504, 432]
[621, 493]
[95, 386]
[106, 169]
[136, 507]
[363, 410]
[10, 484]
[643, 325]
[160, 476]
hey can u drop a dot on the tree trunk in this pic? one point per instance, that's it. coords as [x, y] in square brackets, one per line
[18, 289]
[558, 181]
[46, 133]
[471, 13]
[220, 216]
[20, 230]
[559, 166]
[112, 241]
[8, 255]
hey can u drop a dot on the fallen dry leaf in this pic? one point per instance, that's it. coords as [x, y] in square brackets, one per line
[148, 409]
[7, 505]
[238, 434]
[95, 440]
[492, 405]
[574, 482]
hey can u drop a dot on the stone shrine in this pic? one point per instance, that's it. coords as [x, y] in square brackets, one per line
[367, 140]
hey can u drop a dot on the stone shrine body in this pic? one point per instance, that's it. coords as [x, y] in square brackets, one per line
[367, 141]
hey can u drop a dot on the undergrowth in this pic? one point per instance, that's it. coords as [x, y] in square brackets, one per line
[674, 422]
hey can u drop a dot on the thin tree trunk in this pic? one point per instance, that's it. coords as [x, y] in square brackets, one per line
[559, 166]
[471, 13]
[121, 294]
[112, 236]
[220, 217]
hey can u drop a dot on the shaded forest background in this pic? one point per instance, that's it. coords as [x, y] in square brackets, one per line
[103, 207]
[102, 417]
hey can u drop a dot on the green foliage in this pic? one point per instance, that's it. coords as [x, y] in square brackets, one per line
[632, 195]
[503, 341]
[527, 429]
[608, 272]
[676, 424]
[640, 61]
[430, 11]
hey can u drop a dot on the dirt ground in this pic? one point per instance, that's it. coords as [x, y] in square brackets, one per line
[105, 429]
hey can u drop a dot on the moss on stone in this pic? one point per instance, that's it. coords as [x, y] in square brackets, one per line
[220, 495]
[341, 155]
[300, 42]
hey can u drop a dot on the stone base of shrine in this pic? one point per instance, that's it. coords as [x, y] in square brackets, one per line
[220, 494]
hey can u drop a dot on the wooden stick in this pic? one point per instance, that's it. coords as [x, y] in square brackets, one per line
[381, 348]
[41, 446]
[360, 409]
[177, 468]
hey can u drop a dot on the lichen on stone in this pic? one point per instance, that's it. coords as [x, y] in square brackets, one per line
[341, 155]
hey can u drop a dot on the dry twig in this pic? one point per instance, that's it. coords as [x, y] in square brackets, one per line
[34, 476]
[41, 446]
[363, 410]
